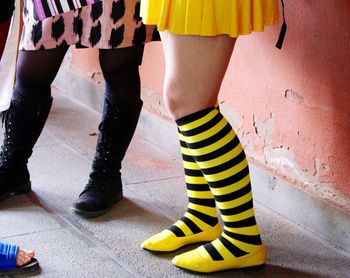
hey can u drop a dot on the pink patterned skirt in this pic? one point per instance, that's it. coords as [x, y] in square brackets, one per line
[105, 25]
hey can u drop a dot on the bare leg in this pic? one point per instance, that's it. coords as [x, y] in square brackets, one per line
[195, 68]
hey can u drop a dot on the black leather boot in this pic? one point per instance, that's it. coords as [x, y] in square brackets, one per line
[23, 125]
[104, 187]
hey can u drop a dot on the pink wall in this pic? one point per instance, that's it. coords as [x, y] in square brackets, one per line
[290, 107]
[85, 61]
[296, 102]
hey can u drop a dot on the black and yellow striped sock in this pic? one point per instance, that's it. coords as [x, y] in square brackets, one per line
[201, 212]
[217, 151]
[200, 222]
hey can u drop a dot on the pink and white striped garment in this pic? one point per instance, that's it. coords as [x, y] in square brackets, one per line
[48, 8]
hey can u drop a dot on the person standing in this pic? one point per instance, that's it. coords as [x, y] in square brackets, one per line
[198, 39]
[115, 28]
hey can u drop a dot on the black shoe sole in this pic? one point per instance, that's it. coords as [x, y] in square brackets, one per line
[92, 214]
[18, 190]
[248, 268]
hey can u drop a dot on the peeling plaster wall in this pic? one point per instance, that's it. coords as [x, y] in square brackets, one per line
[296, 102]
[290, 107]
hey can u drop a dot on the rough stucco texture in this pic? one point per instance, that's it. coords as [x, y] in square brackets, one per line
[298, 113]
[291, 107]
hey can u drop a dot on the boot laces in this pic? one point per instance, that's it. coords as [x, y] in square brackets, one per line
[8, 141]
[103, 165]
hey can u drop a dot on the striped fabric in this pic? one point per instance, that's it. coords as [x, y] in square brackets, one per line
[48, 8]
[216, 149]
[201, 212]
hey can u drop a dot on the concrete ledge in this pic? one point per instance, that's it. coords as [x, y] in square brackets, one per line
[280, 196]
[298, 206]
[79, 88]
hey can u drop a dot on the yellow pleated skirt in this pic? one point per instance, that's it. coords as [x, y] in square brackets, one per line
[210, 17]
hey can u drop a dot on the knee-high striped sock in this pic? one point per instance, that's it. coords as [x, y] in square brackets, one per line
[200, 221]
[201, 212]
[217, 151]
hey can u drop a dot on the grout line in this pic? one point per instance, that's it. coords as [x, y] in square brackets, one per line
[67, 221]
[33, 233]
[150, 181]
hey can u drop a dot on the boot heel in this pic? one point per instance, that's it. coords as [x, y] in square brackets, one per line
[23, 189]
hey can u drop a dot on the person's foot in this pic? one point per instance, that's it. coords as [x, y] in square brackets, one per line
[200, 260]
[24, 257]
[99, 195]
[167, 241]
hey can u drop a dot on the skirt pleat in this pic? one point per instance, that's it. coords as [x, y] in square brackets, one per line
[210, 17]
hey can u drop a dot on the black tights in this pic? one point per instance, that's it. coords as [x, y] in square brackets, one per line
[36, 71]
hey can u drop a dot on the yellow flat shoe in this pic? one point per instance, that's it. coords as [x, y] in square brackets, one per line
[199, 260]
[167, 241]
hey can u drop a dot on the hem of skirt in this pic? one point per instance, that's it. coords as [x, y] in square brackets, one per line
[150, 20]
[83, 42]
[47, 44]
[154, 21]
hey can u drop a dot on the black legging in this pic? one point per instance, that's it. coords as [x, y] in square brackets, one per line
[36, 71]
[6, 9]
